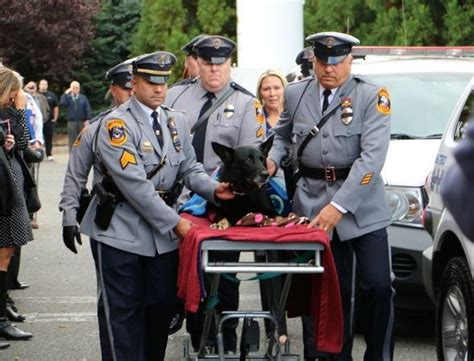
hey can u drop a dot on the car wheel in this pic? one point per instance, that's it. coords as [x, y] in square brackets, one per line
[455, 312]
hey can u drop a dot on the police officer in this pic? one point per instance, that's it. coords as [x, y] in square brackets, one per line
[219, 110]
[144, 149]
[340, 186]
[81, 160]
[305, 60]
[191, 69]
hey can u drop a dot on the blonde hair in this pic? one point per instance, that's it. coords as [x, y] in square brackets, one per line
[266, 73]
[10, 81]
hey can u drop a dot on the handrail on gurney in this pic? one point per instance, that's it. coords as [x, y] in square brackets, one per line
[312, 266]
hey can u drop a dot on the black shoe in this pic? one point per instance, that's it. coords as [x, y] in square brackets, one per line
[19, 286]
[176, 323]
[14, 316]
[10, 332]
[4, 344]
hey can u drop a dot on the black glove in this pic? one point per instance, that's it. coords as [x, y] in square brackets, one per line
[69, 233]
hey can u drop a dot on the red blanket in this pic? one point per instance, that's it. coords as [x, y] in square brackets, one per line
[322, 298]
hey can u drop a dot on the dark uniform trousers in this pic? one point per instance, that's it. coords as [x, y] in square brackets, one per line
[375, 281]
[106, 351]
[139, 301]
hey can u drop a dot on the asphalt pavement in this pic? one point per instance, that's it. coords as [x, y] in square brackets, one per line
[60, 303]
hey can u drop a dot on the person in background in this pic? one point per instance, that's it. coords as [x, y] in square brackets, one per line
[458, 184]
[36, 108]
[305, 60]
[340, 187]
[15, 229]
[191, 68]
[81, 161]
[78, 111]
[270, 91]
[49, 122]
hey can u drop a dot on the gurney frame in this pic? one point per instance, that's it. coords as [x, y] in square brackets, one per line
[218, 268]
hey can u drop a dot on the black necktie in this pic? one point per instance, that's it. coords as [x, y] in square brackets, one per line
[326, 93]
[199, 138]
[157, 128]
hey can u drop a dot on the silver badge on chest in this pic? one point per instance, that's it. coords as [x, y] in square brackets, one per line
[346, 112]
[229, 110]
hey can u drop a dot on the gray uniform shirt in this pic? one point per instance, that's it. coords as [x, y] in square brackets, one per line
[238, 121]
[129, 150]
[361, 144]
[81, 160]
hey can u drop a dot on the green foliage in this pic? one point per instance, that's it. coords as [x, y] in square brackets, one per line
[395, 22]
[115, 23]
[169, 24]
[458, 22]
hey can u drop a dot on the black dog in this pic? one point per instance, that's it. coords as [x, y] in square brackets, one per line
[244, 168]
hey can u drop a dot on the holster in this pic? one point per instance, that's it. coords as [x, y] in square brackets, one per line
[105, 208]
[84, 200]
[172, 195]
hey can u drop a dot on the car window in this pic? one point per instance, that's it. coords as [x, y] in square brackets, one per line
[467, 115]
[422, 102]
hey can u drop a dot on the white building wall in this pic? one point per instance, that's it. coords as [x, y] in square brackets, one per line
[269, 35]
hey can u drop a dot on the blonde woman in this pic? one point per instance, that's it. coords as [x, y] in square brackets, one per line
[270, 91]
[15, 230]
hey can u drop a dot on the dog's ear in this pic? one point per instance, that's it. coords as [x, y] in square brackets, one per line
[225, 153]
[267, 145]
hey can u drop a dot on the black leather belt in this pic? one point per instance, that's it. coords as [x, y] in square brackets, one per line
[329, 174]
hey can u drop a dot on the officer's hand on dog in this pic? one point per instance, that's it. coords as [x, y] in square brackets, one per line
[223, 191]
[271, 167]
[70, 234]
[183, 226]
[327, 218]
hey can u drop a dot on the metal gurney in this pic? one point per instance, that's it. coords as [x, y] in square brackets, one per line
[273, 351]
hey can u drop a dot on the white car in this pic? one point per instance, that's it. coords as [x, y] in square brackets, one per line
[425, 84]
[448, 266]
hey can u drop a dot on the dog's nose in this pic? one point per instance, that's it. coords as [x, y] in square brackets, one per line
[264, 173]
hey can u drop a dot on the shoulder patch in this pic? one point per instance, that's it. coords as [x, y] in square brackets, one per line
[259, 114]
[383, 101]
[117, 133]
[241, 88]
[127, 158]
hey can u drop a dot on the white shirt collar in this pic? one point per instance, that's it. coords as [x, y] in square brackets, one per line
[321, 96]
[147, 110]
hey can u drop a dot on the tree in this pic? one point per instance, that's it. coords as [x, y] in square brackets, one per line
[169, 24]
[45, 38]
[116, 22]
[458, 22]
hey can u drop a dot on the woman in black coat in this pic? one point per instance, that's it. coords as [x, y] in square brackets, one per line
[15, 179]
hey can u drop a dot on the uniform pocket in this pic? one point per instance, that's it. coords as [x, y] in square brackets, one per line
[349, 137]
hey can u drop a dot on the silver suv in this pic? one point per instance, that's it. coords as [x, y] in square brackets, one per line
[448, 266]
[425, 85]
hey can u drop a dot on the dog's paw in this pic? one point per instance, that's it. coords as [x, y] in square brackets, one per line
[222, 224]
